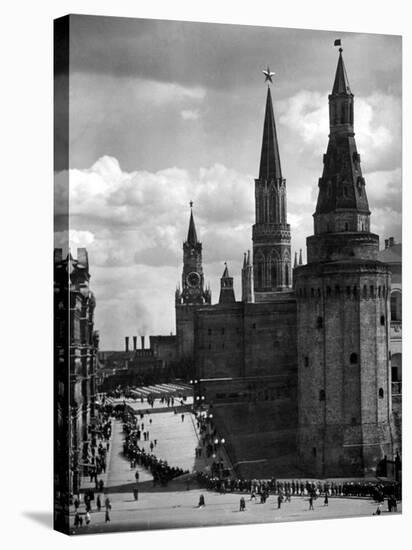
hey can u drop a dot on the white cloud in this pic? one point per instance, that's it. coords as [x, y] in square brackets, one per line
[189, 114]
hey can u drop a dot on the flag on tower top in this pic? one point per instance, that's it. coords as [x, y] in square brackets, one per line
[337, 42]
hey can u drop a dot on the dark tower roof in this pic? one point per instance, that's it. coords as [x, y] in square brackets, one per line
[227, 295]
[191, 234]
[270, 160]
[341, 84]
[225, 272]
[341, 186]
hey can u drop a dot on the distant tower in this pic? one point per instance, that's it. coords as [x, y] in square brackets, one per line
[247, 279]
[344, 390]
[192, 293]
[271, 232]
[227, 294]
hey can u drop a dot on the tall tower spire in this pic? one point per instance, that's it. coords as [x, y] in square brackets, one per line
[271, 232]
[342, 207]
[269, 159]
[191, 234]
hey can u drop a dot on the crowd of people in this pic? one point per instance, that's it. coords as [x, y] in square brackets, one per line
[161, 472]
[376, 490]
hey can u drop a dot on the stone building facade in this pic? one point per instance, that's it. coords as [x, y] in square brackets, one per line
[76, 346]
[300, 365]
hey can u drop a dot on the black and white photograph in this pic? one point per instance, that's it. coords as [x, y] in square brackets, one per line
[227, 274]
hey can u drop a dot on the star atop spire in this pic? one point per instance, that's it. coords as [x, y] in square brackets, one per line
[226, 271]
[268, 74]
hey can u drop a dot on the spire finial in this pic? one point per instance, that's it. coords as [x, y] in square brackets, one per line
[268, 75]
[191, 204]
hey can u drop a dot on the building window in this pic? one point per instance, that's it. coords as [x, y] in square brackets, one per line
[346, 227]
[396, 306]
[365, 291]
[223, 330]
[306, 361]
[254, 325]
[319, 322]
[209, 331]
[372, 291]
[380, 393]
[314, 451]
[383, 320]
[322, 395]
[287, 275]
[353, 358]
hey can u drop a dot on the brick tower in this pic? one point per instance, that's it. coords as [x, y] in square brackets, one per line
[271, 232]
[342, 316]
[192, 294]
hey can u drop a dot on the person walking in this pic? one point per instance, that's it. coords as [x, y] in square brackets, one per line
[107, 515]
[311, 502]
[201, 501]
[135, 493]
[242, 505]
[98, 503]
[87, 518]
[326, 501]
[280, 498]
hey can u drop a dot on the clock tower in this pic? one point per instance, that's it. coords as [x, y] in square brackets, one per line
[192, 293]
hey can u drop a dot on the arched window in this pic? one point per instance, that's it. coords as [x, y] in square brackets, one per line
[260, 274]
[273, 274]
[353, 358]
[396, 306]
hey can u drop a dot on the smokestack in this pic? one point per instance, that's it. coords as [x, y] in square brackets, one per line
[134, 343]
[386, 243]
[142, 339]
[391, 241]
[126, 341]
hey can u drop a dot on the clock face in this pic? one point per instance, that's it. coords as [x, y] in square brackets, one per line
[193, 279]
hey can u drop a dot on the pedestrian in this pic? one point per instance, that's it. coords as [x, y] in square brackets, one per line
[101, 485]
[77, 519]
[311, 502]
[326, 501]
[201, 501]
[107, 516]
[183, 417]
[98, 503]
[280, 498]
[76, 504]
[107, 503]
[87, 518]
[242, 505]
[135, 493]
[136, 475]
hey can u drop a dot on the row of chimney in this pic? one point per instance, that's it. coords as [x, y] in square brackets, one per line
[126, 341]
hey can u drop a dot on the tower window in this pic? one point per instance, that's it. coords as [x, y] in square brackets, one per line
[372, 291]
[346, 227]
[223, 330]
[306, 361]
[209, 331]
[322, 395]
[319, 322]
[381, 393]
[353, 358]
[383, 320]
[314, 451]
[365, 291]
[254, 325]
[286, 275]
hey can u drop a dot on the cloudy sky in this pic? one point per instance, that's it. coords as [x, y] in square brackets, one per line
[164, 112]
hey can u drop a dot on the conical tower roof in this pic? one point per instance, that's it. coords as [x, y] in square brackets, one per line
[269, 160]
[191, 234]
[341, 83]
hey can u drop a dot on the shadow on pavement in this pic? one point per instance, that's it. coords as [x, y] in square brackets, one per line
[148, 487]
